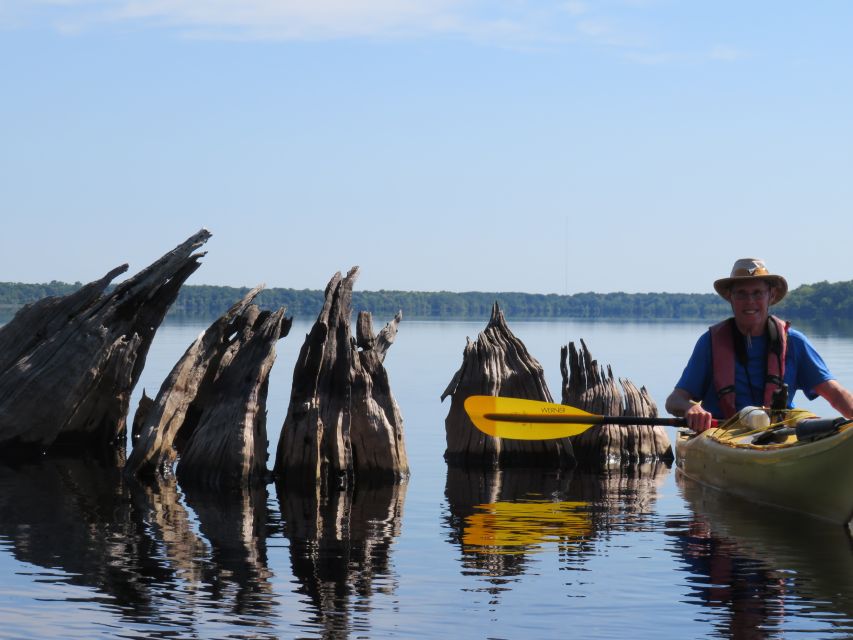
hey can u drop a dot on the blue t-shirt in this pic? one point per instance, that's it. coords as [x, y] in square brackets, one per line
[804, 370]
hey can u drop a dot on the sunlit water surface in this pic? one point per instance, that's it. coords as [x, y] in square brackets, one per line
[633, 553]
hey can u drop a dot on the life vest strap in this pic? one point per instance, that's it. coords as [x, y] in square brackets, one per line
[728, 349]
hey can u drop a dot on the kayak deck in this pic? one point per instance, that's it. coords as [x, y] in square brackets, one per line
[813, 477]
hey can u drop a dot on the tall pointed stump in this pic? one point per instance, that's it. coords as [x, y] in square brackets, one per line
[342, 421]
[498, 364]
[68, 365]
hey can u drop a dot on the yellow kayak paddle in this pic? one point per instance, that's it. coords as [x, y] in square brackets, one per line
[517, 419]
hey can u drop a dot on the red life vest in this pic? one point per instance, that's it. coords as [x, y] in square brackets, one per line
[727, 346]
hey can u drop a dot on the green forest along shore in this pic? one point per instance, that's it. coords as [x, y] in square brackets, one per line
[823, 300]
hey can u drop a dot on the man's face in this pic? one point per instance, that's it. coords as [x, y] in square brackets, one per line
[750, 305]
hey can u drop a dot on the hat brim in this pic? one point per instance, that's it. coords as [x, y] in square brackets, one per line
[780, 285]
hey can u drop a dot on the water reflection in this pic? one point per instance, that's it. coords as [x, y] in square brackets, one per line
[136, 546]
[755, 569]
[499, 518]
[340, 548]
[235, 525]
[525, 526]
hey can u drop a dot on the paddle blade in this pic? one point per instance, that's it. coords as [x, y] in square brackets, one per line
[508, 418]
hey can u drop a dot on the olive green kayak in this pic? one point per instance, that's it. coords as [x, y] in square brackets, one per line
[800, 464]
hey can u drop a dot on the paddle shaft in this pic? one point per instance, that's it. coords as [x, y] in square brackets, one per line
[587, 419]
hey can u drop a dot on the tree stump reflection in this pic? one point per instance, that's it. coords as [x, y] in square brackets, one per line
[499, 518]
[340, 546]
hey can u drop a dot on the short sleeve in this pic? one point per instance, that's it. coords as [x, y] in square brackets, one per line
[696, 378]
[810, 367]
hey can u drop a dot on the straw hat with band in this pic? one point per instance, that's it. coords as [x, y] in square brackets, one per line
[748, 270]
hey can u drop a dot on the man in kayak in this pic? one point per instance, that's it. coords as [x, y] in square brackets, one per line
[744, 361]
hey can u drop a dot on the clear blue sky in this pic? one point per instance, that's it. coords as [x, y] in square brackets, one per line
[556, 147]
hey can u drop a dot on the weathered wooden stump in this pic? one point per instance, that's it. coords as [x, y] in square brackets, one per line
[68, 365]
[211, 409]
[498, 364]
[594, 389]
[342, 421]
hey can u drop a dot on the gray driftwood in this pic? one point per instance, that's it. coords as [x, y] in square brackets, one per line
[592, 388]
[342, 420]
[211, 409]
[498, 364]
[68, 365]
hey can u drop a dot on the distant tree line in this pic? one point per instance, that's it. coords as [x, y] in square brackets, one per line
[822, 300]
[16, 294]
[205, 300]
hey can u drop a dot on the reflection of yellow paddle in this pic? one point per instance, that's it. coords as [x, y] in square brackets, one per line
[522, 527]
[517, 419]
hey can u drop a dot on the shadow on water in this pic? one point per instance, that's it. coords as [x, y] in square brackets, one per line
[136, 545]
[500, 518]
[340, 548]
[755, 569]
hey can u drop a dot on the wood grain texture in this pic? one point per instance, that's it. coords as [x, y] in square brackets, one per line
[211, 408]
[342, 421]
[593, 388]
[498, 364]
[68, 365]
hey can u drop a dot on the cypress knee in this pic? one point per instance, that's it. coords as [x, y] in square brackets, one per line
[498, 364]
[68, 365]
[211, 409]
[592, 388]
[342, 421]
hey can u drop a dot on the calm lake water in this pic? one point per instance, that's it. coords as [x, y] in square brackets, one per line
[633, 553]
